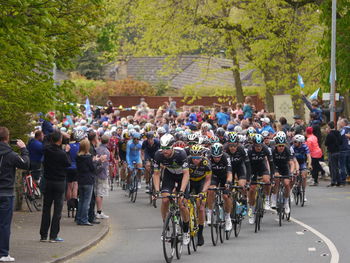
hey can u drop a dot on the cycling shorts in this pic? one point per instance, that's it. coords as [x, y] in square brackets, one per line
[259, 171]
[302, 166]
[196, 187]
[218, 180]
[169, 182]
[137, 161]
[240, 170]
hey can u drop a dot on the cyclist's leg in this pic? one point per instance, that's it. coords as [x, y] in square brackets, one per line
[167, 187]
[147, 171]
[185, 214]
[303, 175]
[287, 188]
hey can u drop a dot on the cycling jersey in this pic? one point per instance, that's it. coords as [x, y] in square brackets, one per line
[281, 160]
[240, 162]
[220, 170]
[301, 153]
[258, 162]
[150, 150]
[175, 164]
[198, 173]
[133, 153]
[112, 146]
[122, 149]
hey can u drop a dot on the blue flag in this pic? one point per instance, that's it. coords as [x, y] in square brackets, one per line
[301, 82]
[314, 95]
[87, 108]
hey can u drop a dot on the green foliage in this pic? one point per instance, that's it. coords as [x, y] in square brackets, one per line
[33, 35]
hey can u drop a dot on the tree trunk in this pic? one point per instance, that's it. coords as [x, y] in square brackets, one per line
[232, 53]
[269, 100]
[346, 112]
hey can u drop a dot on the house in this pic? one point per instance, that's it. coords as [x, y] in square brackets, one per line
[179, 72]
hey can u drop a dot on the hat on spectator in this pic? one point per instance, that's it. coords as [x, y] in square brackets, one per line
[309, 130]
[266, 120]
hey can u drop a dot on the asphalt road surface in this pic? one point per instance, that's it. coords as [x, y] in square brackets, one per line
[321, 234]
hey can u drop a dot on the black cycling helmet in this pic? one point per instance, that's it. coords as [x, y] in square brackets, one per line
[220, 132]
[258, 139]
[150, 135]
[232, 137]
[217, 150]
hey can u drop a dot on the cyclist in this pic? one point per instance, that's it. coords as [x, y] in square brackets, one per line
[240, 162]
[149, 148]
[122, 156]
[192, 139]
[221, 134]
[174, 161]
[262, 166]
[112, 146]
[221, 176]
[284, 166]
[302, 154]
[133, 154]
[200, 177]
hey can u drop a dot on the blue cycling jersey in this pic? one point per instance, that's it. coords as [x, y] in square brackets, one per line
[301, 152]
[133, 152]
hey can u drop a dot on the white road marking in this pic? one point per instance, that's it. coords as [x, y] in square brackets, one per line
[332, 248]
[300, 233]
[311, 249]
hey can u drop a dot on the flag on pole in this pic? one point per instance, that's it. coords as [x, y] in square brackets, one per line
[314, 95]
[87, 108]
[301, 82]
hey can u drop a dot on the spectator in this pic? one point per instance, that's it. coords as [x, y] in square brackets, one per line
[333, 142]
[223, 117]
[344, 148]
[285, 126]
[298, 127]
[92, 136]
[9, 161]
[238, 112]
[47, 126]
[193, 116]
[86, 180]
[172, 107]
[265, 122]
[56, 161]
[316, 154]
[313, 107]
[247, 108]
[102, 177]
[36, 153]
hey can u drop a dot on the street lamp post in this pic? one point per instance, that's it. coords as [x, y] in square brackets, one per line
[333, 61]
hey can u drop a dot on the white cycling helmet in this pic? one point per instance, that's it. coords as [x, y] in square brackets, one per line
[167, 140]
[299, 138]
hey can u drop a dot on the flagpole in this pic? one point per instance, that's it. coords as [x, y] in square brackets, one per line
[333, 62]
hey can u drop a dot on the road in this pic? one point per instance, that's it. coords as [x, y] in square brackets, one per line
[136, 228]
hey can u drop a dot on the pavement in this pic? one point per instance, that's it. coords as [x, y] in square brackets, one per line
[25, 246]
[318, 234]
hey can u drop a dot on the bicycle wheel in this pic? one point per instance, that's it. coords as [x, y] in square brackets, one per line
[238, 224]
[28, 202]
[222, 225]
[280, 203]
[169, 238]
[150, 190]
[179, 237]
[259, 208]
[296, 195]
[135, 186]
[290, 209]
[194, 236]
[214, 227]
[233, 215]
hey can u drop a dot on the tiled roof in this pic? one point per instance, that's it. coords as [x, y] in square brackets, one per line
[185, 70]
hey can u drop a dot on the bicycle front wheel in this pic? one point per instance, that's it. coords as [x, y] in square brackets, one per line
[169, 238]
[179, 238]
[214, 227]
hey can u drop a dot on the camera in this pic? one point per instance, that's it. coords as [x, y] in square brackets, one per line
[13, 142]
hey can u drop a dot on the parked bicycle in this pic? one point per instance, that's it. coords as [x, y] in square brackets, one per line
[31, 192]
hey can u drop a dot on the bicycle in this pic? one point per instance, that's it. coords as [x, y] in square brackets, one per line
[236, 212]
[31, 192]
[172, 233]
[259, 204]
[217, 226]
[134, 182]
[193, 226]
[298, 190]
[280, 201]
[151, 188]
[113, 176]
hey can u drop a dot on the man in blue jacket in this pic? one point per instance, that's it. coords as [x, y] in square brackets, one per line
[36, 154]
[9, 161]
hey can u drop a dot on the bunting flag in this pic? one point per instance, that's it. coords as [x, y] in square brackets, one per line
[301, 82]
[314, 95]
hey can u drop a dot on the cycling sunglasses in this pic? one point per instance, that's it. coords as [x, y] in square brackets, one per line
[192, 143]
[233, 144]
[280, 145]
[165, 147]
[196, 157]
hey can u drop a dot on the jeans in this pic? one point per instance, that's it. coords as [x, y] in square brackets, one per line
[85, 193]
[316, 168]
[92, 216]
[54, 193]
[333, 162]
[6, 212]
[343, 157]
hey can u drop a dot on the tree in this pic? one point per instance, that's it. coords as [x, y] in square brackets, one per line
[35, 34]
[343, 48]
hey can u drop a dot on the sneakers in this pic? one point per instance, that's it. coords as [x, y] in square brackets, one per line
[56, 240]
[251, 216]
[228, 224]
[7, 259]
[139, 185]
[267, 204]
[305, 200]
[291, 198]
[286, 206]
[209, 217]
[101, 216]
[186, 238]
[273, 201]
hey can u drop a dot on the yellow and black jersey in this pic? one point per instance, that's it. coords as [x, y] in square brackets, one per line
[198, 173]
